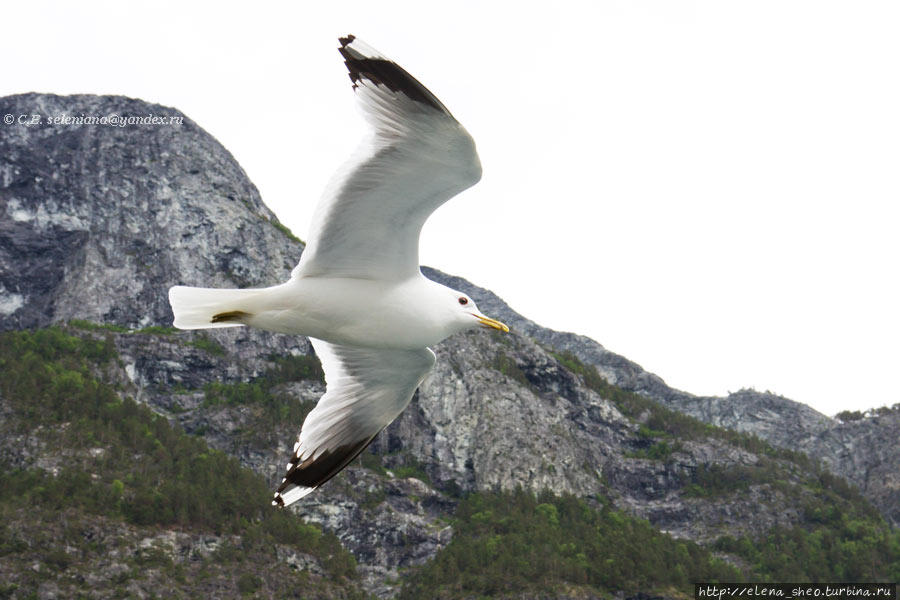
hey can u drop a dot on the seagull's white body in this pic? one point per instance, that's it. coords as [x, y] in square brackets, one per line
[405, 314]
[358, 292]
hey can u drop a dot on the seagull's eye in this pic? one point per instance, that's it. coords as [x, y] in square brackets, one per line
[463, 300]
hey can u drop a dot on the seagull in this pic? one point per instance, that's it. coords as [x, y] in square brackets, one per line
[358, 292]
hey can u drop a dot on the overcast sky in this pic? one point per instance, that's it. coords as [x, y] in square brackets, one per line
[708, 188]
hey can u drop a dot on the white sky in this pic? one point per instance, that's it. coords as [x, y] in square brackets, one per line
[709, 188]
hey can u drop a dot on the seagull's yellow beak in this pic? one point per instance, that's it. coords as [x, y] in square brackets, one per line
[492, 323]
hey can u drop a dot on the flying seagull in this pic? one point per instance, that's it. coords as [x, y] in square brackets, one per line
[358, 292]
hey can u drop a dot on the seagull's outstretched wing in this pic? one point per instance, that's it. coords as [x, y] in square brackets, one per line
[367, 388]
[368, 222]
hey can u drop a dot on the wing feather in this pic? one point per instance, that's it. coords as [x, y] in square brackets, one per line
[367, 389]
[368, 222]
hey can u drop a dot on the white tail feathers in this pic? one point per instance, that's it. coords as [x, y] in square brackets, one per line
[201, 308]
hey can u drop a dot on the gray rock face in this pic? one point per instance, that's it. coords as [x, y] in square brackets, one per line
[97, 222]
[534, 426]
[866, 453]
[775, 419]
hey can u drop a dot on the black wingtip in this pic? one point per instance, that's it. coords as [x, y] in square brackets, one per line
[366, 63]
[313, 472]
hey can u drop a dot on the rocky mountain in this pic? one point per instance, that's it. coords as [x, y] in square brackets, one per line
[864, 451]
[98, 221]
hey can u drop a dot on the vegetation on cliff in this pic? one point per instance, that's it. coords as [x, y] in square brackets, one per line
[116, 460]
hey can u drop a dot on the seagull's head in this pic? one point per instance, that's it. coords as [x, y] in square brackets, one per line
[467, 315]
